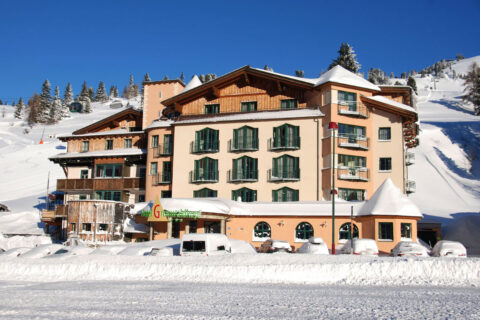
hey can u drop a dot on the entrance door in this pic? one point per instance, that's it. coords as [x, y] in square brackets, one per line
[211, 226]
[175, 229]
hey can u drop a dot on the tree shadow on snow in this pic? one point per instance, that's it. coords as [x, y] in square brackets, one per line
[454, 105]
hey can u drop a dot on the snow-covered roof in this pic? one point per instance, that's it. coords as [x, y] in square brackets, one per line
[338, 74]
[195, 82]
[100, 153]
[265, 115]
[101, 133]
[159, 123]
[388, 200]
[306, 80]
[129, 226]
[392, 103]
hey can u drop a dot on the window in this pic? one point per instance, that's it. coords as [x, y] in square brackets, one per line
[127, 143]
[74, 227]
[212, 108]
[303, 231]
[261, 231]
[351, 194]
[245, 194]
[168, 144]
[154, 143]
[83, 174]
[352, 132]
[86, 227]
[153, 168]
[102, 227]
[284, 194]
[286, 137]
[142, 172]
[206, 140]
[109, 144]
[167, 172]
[85, 146]
[141, 198]
[82, 197]
[285, 168]
[384, 134]
[244, 169]
[108, 171]
[192, 226]
[385, 231]
[349, 99]
[249, 106]
[166, 194]
[205, 193]
[351, 161]
[205, 169]
[198, 246]
[344, 233]
[108, 195]
[385, 164]
[288, 104]
[245, 139]
[406, 230]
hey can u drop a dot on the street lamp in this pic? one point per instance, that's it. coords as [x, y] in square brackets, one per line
[333, 126]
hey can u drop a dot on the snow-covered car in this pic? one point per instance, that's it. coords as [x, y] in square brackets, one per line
[447, 248]
[273, 246]
[72, 251]
[315, 245]
[73, 242]
[208, 244]
[161, 252]
[240, 246]
[109, 250]
[361, 247]
[15, 252]
[409, 248]
[41, 250]
[136, 251]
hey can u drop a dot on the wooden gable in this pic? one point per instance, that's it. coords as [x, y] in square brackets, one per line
[129, 118]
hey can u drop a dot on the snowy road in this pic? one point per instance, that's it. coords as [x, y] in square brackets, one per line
[170, 300]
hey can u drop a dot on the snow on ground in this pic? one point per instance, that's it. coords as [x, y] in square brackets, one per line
[183, 300]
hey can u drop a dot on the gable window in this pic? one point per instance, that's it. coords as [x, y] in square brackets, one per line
[127, 143]
[385, 164]
[108, 171]
[261, 231]
[288, 104]
[205, 193]
[108, 195]
[109, 144]
[303, 231]
[245, 194]
[85, 146]
[205, 170]
[385, 231]
[384, 134]
[153, 168]
[154, 143]
[284, 194]
[245, 139]
[244, 169]
[406, 230]
[348, 99]
[351, 194]
[285, 168]
[212, 108]
[344, 232]
[249, 106]
[83, 174]
[206, 140]
[286, 137]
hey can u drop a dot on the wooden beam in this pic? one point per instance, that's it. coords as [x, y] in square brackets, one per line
[247, 80]
[216, 92]
[279, 86]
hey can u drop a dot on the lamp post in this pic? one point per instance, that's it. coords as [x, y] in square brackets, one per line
[333, 126]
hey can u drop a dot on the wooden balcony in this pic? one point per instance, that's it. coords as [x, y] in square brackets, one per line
[353, 174]
[100, 184]
[59, 212]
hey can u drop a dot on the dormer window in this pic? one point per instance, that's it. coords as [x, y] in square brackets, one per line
[85, 146]
[212, 108]
[249, 106]
[289, 104]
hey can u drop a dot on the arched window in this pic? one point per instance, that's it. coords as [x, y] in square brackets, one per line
[262, 231]
[303, 231]
[344, 232]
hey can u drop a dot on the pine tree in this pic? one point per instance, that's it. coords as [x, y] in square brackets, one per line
[116, 91]
[346, 58]
[460, 56]
[404, 75]
[182, 77]
[101, 95]
[1, 102]
[19, 109]
[111, 92]
[472, 87]
[68, 95]
[412, 84]
[34, 106]
[84, 92]
[377, 76]
[45, 102]
[146, 78]
[300, 73]
[91, 93]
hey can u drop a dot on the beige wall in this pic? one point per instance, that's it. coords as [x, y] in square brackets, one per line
[184, 160]
[154, 93]
[153, 191]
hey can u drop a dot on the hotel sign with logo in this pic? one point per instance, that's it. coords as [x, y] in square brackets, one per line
[158, 214]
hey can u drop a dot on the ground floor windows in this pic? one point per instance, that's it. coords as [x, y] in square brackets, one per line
[245, 195]
[141, 198]
[108, 195]
[385, 231]
[406, 230]
[351, 194]
[74, 227]
[284, 194]
[344, 232]
[303, 231]
[102, 227]
[192, 225]
[211, 227]
[86, 227]
[205, 193]
[262, 231]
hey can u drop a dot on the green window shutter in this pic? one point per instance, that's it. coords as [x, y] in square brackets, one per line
[255, 168]
[254, 195]
[215, 139]
[295, 195]
[235, 139]
[255, 138]
[215, 169]
[275, 167]
[296, 134]
[195, 170]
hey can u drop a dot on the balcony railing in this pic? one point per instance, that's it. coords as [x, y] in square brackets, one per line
[409, 158]
[352, 108]
[284, 144]
[163, 150]
[250, 145]
[355, 174]
[410, 186]
[100, 184]
[206, 176]
[202, 147]
[285, 175]
[162, 178]
[242, 175]
[353, 142]
[60, 211]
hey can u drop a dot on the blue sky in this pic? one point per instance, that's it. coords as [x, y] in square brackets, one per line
[73, 41]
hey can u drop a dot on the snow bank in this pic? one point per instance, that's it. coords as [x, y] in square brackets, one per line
[23, 223]
[245, 268]
[465, 230]
[22, 241]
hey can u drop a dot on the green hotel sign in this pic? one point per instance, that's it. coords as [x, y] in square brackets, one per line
[157, 213]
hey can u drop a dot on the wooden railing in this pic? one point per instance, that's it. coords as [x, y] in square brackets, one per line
[100, 184]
